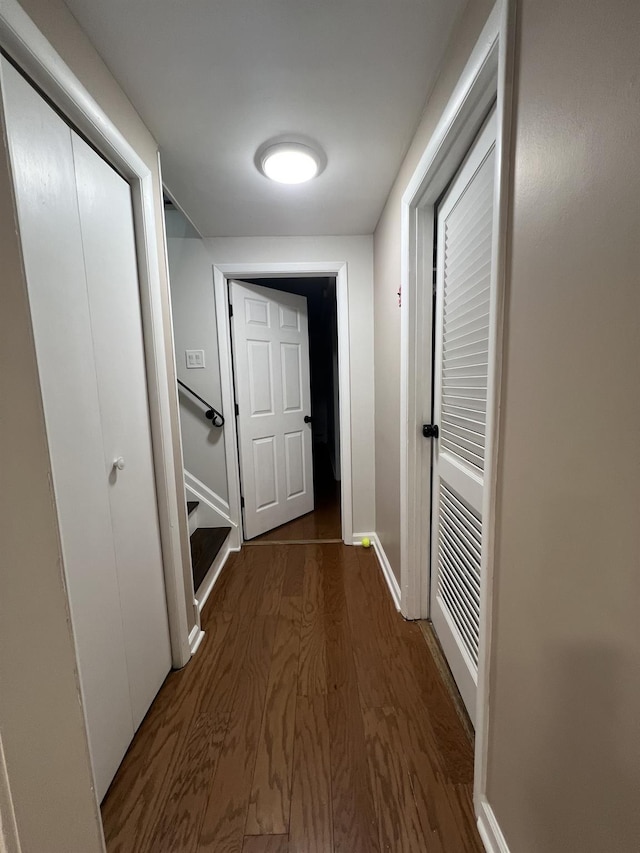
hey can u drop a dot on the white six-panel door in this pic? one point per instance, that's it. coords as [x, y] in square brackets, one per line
[271, 364]
[77, 236]
[463, 308]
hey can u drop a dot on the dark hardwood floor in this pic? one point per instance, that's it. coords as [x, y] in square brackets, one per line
[312, 720]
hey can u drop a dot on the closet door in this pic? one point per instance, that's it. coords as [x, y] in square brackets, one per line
[463, 310]
[44, 183]
[106, 222]
[77, 233]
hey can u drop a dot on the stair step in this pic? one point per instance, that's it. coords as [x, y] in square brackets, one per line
[192, 506]
[206, 542]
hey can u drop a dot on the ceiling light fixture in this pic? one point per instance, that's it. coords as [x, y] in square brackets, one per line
[289, 162]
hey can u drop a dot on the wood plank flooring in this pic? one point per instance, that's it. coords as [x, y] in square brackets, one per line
[313, 719]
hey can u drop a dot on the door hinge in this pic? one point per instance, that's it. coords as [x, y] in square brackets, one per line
[230, 310]
[237, 410]
[241, 502]
[434, 280]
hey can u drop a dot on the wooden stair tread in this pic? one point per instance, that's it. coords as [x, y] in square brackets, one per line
[192, 506]
[205, 545]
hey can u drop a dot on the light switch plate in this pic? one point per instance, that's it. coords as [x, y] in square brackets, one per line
[195, 357]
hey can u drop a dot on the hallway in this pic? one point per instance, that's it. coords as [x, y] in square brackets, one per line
[312, 719]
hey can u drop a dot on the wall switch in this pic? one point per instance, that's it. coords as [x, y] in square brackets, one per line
[195, 357]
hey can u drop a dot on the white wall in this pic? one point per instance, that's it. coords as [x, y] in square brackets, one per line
[564, 760]
[195, 320]
[387, 282]
[194, 326]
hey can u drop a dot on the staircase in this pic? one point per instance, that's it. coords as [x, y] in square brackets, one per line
[206, 542]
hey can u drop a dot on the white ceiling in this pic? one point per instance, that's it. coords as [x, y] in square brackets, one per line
[214, 79]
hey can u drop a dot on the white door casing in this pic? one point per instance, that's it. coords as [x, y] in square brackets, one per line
[461, 372]
[271, 362]
[77, 234]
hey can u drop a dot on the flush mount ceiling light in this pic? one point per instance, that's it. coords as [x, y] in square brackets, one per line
[289, 162]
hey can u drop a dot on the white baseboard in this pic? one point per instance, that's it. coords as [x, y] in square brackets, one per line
[385, 565]
[196, 636]
[489, 829]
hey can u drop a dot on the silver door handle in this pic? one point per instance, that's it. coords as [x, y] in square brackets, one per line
[119, 463]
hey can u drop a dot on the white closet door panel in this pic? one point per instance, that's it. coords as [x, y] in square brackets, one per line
[106, 220]
[42, 162]
[463, 314]
[271, 361]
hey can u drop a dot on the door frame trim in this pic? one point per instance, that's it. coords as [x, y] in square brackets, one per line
[34, 54]
[487, 77]
[222, 274]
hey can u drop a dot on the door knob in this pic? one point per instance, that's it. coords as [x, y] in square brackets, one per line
[119, 463]
[307, 419]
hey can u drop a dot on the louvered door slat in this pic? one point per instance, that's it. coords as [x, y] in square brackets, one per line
[472, 263]
[462, 350]
[471, 205]
[467, 556]
[473, 427]
[465, 601]
[466, 322]
[464, 396]
[457, 561]
[457, 355]
[466, 301]
[468, 597]
[462, 408]
[466, 518]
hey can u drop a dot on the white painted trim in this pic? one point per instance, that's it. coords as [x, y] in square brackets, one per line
[9, 841]
[385, 565]
[505, 108]
[195, 638]
[204, 493]
[489, 829]
[34, 54]
[192, 517]
[456, 130]
[222, 273]
[487, 75]
[201, 488]
[208, 513]
[211, 578]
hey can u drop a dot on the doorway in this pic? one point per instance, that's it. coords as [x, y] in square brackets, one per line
[286, 272]
[323, 522]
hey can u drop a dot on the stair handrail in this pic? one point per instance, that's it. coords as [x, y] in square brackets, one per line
[212, 414]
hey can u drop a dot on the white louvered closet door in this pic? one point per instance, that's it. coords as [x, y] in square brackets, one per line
[461, 370]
